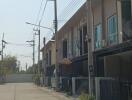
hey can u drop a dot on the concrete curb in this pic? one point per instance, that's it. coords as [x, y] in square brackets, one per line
[59, 95]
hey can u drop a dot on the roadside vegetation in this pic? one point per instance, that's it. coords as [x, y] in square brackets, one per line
[85, 96]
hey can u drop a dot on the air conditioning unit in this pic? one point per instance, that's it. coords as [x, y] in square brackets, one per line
[103, 43]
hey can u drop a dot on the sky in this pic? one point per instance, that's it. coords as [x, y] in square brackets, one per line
[14, 14]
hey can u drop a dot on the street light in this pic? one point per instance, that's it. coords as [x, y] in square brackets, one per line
[41, 26]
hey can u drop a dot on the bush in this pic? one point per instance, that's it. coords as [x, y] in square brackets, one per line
[85, 96]
[37, 79]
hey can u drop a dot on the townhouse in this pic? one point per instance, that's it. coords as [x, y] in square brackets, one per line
[98, 36]
[110, 31]
[72, 43]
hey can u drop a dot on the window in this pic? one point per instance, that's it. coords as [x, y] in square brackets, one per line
[49, 57]
[98, 36]
[65, 49]
[83, 41]
[112, 30]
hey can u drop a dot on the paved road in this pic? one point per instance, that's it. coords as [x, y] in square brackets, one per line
[25, 91]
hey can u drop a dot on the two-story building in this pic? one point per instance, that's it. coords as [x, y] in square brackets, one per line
[72, 45]
[110, 28]
[103, 26]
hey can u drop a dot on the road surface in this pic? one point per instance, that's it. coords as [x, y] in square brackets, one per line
[25, 91]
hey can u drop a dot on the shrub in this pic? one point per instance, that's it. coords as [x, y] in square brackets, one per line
[85, 96]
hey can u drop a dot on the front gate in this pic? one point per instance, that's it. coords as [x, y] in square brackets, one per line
[112, 89]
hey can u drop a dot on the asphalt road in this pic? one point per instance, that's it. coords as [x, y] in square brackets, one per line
[25, 91]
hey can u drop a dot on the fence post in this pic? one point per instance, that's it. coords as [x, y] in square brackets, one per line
[73, 86]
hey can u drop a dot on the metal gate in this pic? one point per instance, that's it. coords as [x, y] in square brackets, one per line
[112, 89]
[109, 90]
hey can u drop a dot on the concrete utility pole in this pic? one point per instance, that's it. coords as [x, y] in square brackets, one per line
[26, 66]
[33, 45]
[33, 50]
[39, 50]
[44, 60]
[3, 46]
[56, 28]
[89, 39]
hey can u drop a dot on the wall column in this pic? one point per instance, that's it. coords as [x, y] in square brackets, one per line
[119, 17]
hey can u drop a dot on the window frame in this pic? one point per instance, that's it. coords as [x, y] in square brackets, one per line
[112, 34]
[95, 38]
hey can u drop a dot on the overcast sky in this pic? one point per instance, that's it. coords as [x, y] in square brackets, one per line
[14, 14]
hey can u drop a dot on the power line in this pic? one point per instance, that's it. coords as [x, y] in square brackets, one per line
[17, 44]
[43, 10]
[39, 11]
[68, 11]
[40, 8]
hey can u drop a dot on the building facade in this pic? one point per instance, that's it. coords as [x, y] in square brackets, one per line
[111, 47]
[97, 40]
[72, 43]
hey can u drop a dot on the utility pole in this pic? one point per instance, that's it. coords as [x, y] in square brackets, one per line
[26, 66]
[3, 46]
[89, 40]
[38, 49]
[56, 28]
[33, 49]
[44, 60]
[33, 45]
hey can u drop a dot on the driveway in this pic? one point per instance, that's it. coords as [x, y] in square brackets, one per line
[25, 91]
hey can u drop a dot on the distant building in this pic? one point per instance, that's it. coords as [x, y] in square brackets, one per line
[48, 64]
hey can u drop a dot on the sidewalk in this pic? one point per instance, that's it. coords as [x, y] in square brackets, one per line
[59, 95]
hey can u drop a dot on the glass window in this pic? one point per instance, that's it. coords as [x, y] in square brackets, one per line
[112, 30]
[98, 36]
[65, 49]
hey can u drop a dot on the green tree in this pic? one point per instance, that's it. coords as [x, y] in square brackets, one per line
[8, 65]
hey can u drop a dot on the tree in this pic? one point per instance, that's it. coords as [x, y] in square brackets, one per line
[8, 65]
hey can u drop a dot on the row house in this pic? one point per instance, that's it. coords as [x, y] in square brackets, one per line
[72, 47]
[99, 34]
[110, 30]
[72, 44]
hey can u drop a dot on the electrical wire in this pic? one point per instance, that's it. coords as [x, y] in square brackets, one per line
[39, 11]
[17, 44]
[40, 8]
[43, 11]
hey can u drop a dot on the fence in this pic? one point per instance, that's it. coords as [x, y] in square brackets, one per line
[80, 84]
[113, 89]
